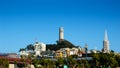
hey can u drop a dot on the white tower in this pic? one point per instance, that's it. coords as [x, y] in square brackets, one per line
[61, 33]
[106, 43]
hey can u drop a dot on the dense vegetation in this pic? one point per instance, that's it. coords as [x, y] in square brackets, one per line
[106, 60]
[29, 47]
[100, 60]
[4, 63]
[62, 44]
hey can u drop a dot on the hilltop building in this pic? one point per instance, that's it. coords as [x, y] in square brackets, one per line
[61, 43]
[39, 47]
[106, 43]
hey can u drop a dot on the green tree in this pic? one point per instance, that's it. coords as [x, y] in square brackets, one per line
[106, 60]
[43, 63]
[30, 47]
[60, 62]
[113, 63]
[72, 62]
[117, 57]
[4, 63]
[22, 49]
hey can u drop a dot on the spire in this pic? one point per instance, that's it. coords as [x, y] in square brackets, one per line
[106, 36]
[106, 43]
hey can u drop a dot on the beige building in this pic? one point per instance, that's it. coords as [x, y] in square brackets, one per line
[65, 52]
[58, 54]
[13, 66]
[74, 51]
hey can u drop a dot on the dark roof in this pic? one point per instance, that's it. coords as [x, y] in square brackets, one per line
[3, 54]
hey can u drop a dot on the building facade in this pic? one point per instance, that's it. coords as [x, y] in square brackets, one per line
[39, 47]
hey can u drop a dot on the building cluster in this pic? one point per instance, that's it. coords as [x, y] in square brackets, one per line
[40, 49]
[8, 55]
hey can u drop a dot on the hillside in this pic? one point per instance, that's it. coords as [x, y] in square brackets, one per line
[62, 44]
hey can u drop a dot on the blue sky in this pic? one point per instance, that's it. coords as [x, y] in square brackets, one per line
[84, 21]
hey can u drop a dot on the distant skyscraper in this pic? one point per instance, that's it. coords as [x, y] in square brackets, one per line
[106, 43]
[61, 33]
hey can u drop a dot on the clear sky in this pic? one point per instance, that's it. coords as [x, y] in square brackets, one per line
[84, 21]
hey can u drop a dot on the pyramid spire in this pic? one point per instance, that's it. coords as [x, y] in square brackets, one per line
[106, 43]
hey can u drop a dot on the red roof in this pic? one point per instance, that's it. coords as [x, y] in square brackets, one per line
[17, 60]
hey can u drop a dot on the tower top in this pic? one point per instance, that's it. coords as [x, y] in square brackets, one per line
[61, 29]
[106, 36]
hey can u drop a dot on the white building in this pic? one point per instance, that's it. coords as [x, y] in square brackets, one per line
[13, 66]
[39, 47]
[69, 51]
[74, 51]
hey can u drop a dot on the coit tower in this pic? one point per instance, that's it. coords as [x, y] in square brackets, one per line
[106, 43]
[61, 33]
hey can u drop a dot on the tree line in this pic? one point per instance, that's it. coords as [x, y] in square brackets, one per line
[100, 60]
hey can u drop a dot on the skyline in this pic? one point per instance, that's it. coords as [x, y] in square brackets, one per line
[21, 22]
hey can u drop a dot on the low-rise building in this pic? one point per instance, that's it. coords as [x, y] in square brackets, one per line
[74, 51]
[58, 54]
[9, 55]
[12, 55]
[65, 52]
[48, 54]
